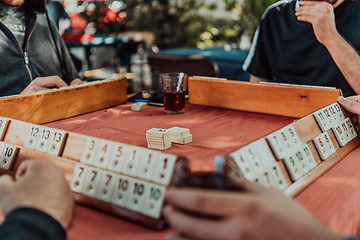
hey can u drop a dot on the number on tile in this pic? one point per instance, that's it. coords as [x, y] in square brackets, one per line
[77, 181]
[8, 155]
[57, 142]
[154, 197]
[121, 190]
[106, 186]
[117, 157]
[91, 182]
[88, 155]
[44, 139]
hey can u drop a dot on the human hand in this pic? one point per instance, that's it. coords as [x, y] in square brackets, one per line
[321, 16]
[352, 105]
[41, 185]
[42, 83]
[77, 81]
[258, 214]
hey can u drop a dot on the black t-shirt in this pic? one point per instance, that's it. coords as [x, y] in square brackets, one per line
[286, 50]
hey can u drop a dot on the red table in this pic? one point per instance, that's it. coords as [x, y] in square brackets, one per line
[333, 199]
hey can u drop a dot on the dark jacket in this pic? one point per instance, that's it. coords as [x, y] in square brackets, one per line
[19, 65]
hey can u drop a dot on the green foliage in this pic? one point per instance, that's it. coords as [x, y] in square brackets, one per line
[253, 10]
[176, 23]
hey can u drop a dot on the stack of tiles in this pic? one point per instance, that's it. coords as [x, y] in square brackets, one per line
[180, 135]
[158, 138]
[138, 106]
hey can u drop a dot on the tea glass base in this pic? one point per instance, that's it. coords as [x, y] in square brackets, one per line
[174, 112]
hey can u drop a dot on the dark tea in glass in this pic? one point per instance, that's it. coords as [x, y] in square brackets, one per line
[174, 101]
[174, 90]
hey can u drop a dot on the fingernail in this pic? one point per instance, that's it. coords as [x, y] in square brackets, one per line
[341, 99]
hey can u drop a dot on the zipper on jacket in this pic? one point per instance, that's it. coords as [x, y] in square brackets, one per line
[26, 59]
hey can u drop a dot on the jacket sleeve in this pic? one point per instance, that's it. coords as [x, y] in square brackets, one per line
[31, 224]
[70, 71]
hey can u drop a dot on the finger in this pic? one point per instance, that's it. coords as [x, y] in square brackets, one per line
[30, 167]
[315, 8]
[6, 180]
[175, 237]
[50, 81]
[355, 98]
[198, 228]
[76, 81]
[349, 105]
[217, 203]
[315, 3]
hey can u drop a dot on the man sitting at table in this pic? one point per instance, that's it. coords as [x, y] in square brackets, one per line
[32, 54]
[38, 205]
[300, 43]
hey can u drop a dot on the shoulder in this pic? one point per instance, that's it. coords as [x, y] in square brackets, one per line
[279, 8]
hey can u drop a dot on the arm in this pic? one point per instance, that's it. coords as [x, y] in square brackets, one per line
[321, 16]
[258, 213]
[258, 79]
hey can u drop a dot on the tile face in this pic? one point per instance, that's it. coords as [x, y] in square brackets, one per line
[164, 168]
[352, 131]
[328, 144]
[102, 154]
[276, 145]
[117, 157]
[292, 135]
[301, 159]
[57, 141]
[132, 159]
[91, 182]
[321, 148]
[310, 160]
[285, 140]
[340, 134]
[253, 159]
[154, 198]
[121, 190]
[267, 180]
[4, 122]
[293, 167]
[88, 155]
[339, 113]
[241, 160]
[44, 139]
[8, 155]
[147, 164]
[77, 181]
[106, 186]
[328, 116]
[32, 136]
[322, 120]
[278, 177]
[136, 195]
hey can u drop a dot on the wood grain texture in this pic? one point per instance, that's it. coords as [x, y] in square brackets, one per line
[56, 104]
[283, 100]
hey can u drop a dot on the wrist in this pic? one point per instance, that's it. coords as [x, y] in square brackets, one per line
[334, 41]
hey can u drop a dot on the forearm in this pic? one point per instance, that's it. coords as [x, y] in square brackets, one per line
[347, 59]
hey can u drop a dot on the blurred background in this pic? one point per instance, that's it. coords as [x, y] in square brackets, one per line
[142, 38]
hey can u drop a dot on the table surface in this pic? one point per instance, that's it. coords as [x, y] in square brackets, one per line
[333, 198]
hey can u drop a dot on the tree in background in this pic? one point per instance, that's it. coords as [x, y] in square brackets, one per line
[176, 23]
[253, 10]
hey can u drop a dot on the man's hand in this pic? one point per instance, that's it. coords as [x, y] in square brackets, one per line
[352, 105]
[257, 214]
[321, 16]
[41, 185]
[42, 83]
